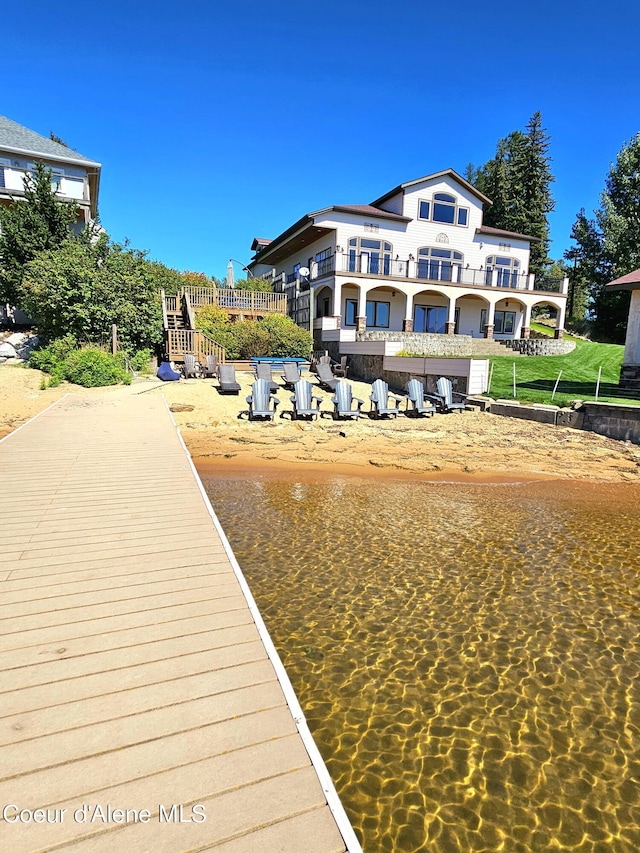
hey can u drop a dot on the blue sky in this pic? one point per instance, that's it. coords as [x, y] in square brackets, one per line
[216, 122]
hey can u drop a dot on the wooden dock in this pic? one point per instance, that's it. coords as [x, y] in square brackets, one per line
[139, 691]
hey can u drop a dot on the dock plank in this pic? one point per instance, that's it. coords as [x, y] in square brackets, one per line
[133, 671]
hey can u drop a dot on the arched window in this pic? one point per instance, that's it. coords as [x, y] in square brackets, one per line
[369, 256]
[508, 270]
[439, 264]
[443, 207]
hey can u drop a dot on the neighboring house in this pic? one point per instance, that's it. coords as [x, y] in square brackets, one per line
[630, 369]
[417, 259]
[75, 177]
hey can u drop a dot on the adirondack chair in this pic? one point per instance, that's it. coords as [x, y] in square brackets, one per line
[380, 396]
[416, 398]
[210, 370]
[341, 367]
[326, 379]
[303, 401]
[343, 401]
[317, 359]
[261, 403]
[446, 399]
[191, 367]
[227, 383]
[263, 371]
[291, 374]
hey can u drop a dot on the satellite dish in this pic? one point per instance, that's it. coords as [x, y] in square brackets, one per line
[304, 271]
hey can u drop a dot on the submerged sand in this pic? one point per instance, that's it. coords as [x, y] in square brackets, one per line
[467, 446]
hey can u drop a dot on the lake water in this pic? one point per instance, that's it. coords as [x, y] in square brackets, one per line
[467, 656]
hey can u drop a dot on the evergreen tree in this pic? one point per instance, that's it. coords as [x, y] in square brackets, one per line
[34, 224]
[608, 246]
[518, 182]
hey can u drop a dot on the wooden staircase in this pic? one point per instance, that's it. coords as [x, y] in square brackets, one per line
[180, 334]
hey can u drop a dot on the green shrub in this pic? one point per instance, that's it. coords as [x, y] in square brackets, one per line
[274, 334]
[139, 361]
[93, 368]
[51, 358]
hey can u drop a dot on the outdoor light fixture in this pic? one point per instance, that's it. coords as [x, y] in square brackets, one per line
[411, 258]
[338, 248]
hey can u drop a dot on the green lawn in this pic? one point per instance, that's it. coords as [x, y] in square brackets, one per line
[536, 375]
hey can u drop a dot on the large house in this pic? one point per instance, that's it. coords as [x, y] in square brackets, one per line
[417, 259]
[630, 368]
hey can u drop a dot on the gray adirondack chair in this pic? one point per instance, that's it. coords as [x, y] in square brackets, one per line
[448, 400]
[303, 401]
[261, 403]
[210, 369]
[380, 396]
[263, 371]
[227, 383]
[291, 374]
[343, 401]
[326, 379]
[191, 367]
[417, 403]
[341, 368]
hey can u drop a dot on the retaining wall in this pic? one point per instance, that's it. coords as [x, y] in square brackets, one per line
[424, 343]
[540, 346]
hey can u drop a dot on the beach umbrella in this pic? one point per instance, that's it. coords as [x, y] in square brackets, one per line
[230, 282]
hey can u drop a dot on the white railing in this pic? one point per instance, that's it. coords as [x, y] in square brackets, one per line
[12, 180]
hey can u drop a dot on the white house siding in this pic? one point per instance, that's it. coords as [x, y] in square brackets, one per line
[72, 178]
[393, 204]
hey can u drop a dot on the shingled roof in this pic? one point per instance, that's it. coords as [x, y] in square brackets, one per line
[15, 137]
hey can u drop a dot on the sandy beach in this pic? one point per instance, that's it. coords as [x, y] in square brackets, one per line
[469, 446]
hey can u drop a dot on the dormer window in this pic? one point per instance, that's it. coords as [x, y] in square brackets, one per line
[443, 207]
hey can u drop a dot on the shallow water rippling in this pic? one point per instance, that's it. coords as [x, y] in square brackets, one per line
[467, 656]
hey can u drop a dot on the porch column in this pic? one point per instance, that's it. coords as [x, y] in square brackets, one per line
[450, 326]
[525, 331]
[361, 319]
[559, 330]
[407, 323]
[337, 304]
[491, 314]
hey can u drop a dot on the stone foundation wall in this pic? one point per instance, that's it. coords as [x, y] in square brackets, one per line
[630, 376]
[612, 419]
[424, 343]
[540, 346]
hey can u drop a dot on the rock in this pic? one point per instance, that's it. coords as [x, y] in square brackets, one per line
[181, 407]
[8, 351]
[27, 346]
[2, 359]
[16, 339]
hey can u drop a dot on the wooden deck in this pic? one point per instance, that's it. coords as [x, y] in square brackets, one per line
[135, 672]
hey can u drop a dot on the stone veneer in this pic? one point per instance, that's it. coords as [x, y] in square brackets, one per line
[546, 346]
[423, 343]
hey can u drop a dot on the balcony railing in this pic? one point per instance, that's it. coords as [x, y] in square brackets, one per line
[249, 301]
[12, 180]
[439, 270]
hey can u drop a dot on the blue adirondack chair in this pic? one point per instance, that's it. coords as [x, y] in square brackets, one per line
[343, 401]
[380, 396]
[448, 400]
[416, 399]
[303, 401]
[261, 403]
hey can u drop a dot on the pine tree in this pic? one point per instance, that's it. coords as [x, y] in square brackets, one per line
[608, 246]
[518, 181]
[32, 224]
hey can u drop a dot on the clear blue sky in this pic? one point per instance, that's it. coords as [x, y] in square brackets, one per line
[216, 122]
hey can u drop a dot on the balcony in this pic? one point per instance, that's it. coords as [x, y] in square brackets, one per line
[67, 186]
[433, 270]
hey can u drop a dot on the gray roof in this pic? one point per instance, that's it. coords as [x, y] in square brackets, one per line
[15, 137]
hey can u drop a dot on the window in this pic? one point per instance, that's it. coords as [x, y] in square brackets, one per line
[439, 264]
[378, 314]
[508, 270]
[324, 307]
[367, 255]
[296, 270]
[504, 322]
[324, 259]
[2, 183]
[443, 208]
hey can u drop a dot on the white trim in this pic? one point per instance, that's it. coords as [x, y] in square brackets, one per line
[333, 801]
[17, 429]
